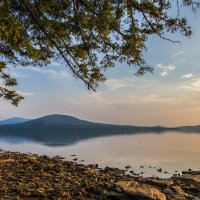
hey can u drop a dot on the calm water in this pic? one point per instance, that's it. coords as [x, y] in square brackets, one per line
[171, 151]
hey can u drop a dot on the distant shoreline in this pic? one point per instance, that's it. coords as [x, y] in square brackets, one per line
[65, 122]
[26, 176]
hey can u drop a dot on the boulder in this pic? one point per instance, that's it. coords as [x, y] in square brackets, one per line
[137, 190]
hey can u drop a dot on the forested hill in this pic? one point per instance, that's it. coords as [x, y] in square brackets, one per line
[56, 130]
[14, 120]
[60, 122]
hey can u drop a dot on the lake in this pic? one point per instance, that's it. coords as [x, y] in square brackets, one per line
[145, 153]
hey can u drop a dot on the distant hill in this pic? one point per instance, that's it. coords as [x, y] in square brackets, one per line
[61, 130]
[14, 120]
[57, 120]
[65, 122]
[57, 129]
[190, 128]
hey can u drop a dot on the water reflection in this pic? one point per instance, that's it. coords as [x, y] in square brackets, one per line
[172, 151]
[12, 139]
[68, 137]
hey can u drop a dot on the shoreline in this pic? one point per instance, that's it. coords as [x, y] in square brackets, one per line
[33, 177]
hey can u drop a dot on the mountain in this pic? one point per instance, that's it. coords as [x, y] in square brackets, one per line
[14, 120]
[65, 122]
[60, 130]
[57, 120]
[190, 128]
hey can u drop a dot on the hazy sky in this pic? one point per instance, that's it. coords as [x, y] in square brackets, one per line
[170, 96]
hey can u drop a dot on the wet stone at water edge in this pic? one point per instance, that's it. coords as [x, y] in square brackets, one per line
[32, 177]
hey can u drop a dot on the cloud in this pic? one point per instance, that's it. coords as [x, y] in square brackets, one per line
[18, 75]
[128, 82]
[1, 82]
[187, 76]
[56, 64]
[193, 85]
[177, 54]
[15, 74]
[115, 84]
[150, 99]
[57, 75]
[25, 94]
[166, 68]
[128, 100]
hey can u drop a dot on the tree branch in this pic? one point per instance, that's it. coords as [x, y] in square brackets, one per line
[152, 27]
[55, 45]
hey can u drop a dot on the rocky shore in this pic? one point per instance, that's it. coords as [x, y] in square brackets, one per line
[33, 177]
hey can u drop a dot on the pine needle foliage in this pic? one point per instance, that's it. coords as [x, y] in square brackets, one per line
[88, 36]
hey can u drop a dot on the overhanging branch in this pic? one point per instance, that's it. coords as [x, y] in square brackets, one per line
[56, 46]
